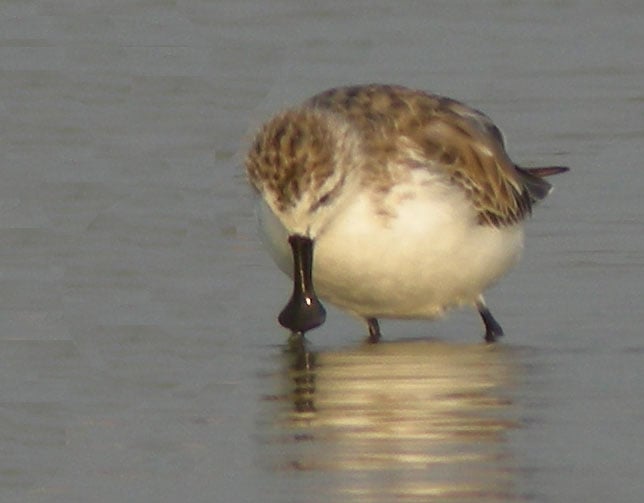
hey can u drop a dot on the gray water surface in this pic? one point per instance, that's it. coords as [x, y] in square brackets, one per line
[140, 358]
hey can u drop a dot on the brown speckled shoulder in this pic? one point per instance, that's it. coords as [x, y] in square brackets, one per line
[453, 139]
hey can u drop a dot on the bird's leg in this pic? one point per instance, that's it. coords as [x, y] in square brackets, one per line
[374, 330]
[492, 328]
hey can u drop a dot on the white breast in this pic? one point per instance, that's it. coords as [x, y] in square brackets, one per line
[421, 254]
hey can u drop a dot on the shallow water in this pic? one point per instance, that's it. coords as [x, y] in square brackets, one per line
[139, 353]
[410, 420]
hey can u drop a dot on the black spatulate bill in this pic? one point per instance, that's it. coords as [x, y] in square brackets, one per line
[304, 310]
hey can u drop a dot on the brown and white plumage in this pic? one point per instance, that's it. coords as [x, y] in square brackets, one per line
[409, 199]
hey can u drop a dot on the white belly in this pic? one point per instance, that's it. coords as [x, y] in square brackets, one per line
[431, 256]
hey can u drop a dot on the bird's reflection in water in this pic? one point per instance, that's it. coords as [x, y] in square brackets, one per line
[417, 420]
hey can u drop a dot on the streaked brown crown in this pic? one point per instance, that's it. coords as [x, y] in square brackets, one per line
[293, 152]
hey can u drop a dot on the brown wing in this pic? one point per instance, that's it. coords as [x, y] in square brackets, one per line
[473, 155]
[453, 138]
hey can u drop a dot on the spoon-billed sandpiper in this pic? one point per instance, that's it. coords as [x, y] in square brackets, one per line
[409, 201]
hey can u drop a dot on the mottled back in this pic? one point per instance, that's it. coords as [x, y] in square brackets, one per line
[452, 138]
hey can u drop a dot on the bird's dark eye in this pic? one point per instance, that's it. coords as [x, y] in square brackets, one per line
[324, 199]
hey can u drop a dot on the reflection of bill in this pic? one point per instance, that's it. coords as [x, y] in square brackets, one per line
[401, 419]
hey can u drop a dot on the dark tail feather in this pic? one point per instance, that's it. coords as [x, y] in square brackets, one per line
[545, 171]
[532, 179]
